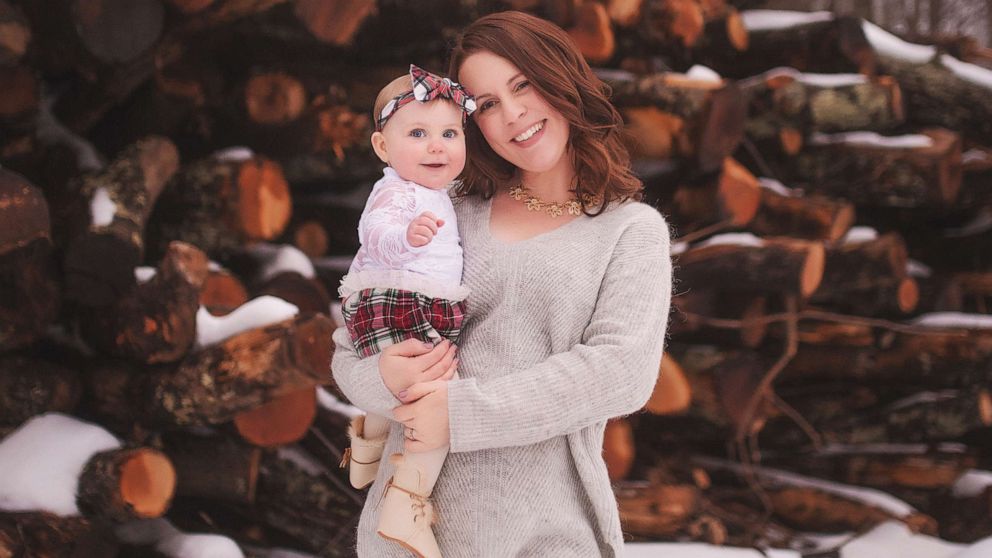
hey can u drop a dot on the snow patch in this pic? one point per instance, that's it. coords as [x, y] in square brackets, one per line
[887, 44]
[172, 542]
[957, 320]
[765, 20]
[857, 235]
[978, 75]
[739, 239]
[918, 269]
[679, 248]
[42, 460]
[102, 208]
[892, 538]
[257, 312]
[234, 154]
[832, 80]
[302, 459]
[871, 139]
[278, 258]
[327, 400]
[776, 186]
[703, 73]
[978, 224]
[144, 273]
[971, 483]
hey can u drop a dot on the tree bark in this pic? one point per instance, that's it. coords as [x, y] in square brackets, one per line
[32, 386]
[126, 484]
[778, 266]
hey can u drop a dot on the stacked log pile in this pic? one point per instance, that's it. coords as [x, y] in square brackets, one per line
[180, 187]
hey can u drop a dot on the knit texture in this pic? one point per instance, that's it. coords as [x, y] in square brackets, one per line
[564, 331]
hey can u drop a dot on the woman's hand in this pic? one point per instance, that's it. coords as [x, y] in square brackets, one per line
[425, 420]
[413, 361]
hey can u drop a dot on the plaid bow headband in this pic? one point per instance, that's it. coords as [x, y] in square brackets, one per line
[427, 87]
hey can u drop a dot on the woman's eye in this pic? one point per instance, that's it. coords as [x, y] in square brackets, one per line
[521, 85]
[486, 105]
[418, 133]
[451, 133]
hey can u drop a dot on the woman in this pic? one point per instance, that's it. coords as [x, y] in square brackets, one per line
[571, 286]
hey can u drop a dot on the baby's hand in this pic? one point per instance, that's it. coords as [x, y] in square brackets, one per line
[422, 229]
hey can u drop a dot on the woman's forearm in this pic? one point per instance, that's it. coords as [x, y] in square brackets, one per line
[359, 378]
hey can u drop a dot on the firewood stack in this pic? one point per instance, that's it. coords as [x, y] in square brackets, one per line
[180, 188]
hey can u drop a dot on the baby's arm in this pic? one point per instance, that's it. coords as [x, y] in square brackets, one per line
[422, 229]
[385, 225]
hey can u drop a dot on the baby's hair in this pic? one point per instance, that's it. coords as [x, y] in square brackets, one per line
[392, 90]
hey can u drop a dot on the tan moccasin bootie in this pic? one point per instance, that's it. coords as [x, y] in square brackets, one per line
[363, 456]
[406, 515]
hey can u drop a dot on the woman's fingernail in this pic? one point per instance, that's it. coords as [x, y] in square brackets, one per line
[429, 345]
[403, 394]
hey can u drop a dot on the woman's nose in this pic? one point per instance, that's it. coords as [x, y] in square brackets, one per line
[514, 110]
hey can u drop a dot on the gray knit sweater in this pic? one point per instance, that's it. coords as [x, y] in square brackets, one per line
[565, 330]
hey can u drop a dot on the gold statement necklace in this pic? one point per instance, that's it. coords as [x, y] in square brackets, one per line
[554, 209]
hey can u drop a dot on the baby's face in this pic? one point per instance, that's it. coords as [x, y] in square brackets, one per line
[425, 143]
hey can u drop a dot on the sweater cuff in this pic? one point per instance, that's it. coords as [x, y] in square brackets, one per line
[369, 383]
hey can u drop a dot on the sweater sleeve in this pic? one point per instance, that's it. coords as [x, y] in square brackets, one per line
[612, 372]
[359, 378]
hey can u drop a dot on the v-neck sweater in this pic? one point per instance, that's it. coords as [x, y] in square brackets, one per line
[565, 330]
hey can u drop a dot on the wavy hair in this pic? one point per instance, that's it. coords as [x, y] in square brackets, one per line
[548, 57]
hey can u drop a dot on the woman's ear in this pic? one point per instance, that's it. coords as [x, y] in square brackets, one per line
[379, 146]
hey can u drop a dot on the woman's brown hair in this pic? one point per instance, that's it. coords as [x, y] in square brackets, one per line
[549, 59]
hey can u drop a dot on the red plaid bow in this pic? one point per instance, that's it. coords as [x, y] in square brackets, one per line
[426, 88]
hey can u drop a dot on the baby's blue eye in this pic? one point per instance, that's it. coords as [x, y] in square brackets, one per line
[451, 133]
[418, 133]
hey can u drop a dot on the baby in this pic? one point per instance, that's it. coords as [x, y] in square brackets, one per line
[405, 281]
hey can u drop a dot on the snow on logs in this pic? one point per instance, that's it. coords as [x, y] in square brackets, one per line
[221, 202]
[671, 114]
[59, 464]
[107, 218]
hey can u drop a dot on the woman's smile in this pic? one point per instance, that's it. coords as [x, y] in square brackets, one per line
[530, 135]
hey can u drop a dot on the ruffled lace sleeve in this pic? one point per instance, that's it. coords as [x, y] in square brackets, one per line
[382, 229]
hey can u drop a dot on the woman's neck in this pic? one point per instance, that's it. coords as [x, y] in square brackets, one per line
[552, 185]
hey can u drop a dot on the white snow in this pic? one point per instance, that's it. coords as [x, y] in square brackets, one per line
[975, 156]
[887, 44]
[832, 80]
[214, 266]
[889, 449]
[144, 273]
[42, 460]
[102, 208]
[700, 550]
[739, 239]
[918, 269]
[871, 139]
[234, 154]
[703, 73]
[869, 496]
[859, 234]
[172, 542]
[981, 222]
[277, 258]
[969, 72]
[679, 248]
[302, 459]
[257, 312]
[776, 186]
[327, 400]
[978, 549]
[971, 483]
[892, 538]
[954, 320]
[764, 20]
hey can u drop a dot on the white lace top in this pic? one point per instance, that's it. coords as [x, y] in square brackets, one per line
[385, 258]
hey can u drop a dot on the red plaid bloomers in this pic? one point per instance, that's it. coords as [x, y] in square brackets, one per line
[377, 318]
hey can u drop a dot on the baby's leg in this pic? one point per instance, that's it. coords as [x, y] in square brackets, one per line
[429, 462]
[376, 426]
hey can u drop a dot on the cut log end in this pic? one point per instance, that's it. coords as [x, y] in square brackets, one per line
[672, 393]
[148, 481]
[592, 33]
[736, 31]
[334, 22]
[618, 448]
[791, 140]
[908, 295]
[282, 421]
[843, 221]
[740, 192]
[311, 238]
[265, 201]
[812, 270]
[274, 98]
[222, 293]
[985, 407]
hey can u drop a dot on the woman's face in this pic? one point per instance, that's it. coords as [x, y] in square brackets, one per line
[516, 121]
